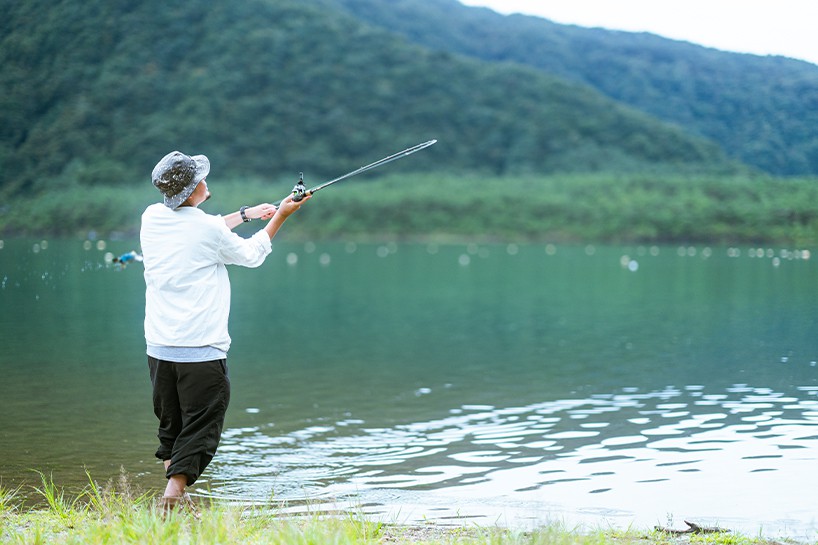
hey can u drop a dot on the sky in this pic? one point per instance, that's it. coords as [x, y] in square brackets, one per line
[762, 27]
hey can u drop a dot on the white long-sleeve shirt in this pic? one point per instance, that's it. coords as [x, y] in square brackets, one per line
[187, 295]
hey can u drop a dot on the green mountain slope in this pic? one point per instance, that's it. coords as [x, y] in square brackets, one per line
[94, 92]
[761, 110]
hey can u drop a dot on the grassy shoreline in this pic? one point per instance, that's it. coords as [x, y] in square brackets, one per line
[599, 208]
[117, 514]
[226, 525]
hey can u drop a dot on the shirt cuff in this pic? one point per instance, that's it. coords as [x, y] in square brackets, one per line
[261, 237]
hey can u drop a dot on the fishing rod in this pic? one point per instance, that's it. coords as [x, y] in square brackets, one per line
[300, 191]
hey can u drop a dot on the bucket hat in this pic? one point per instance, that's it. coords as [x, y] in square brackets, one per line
[176, 175]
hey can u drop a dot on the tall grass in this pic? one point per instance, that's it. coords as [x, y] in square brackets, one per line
[115, 514]
[56, 499]
[8, 500]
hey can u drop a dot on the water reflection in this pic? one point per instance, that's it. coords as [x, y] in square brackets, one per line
[678, 444]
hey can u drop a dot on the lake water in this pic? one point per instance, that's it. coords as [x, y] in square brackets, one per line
[461, 384]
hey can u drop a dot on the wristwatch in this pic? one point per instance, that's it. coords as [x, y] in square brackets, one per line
[244, 217]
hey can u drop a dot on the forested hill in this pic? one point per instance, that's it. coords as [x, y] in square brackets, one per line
[94, 92]
[761, 110]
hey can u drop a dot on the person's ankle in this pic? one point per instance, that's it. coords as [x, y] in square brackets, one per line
[176, 486]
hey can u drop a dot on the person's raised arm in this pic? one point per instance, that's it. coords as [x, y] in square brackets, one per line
[263, 211]
[285, 209]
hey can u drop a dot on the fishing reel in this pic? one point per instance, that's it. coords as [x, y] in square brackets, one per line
[299, 189]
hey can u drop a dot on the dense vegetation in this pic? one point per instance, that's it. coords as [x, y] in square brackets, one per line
[95, 92]
[656, 208]
[761, 110]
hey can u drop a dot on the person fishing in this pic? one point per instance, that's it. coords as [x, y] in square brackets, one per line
[187, 304]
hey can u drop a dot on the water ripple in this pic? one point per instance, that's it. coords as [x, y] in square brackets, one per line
[631, 447]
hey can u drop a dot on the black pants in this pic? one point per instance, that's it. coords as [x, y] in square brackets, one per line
[190, 401]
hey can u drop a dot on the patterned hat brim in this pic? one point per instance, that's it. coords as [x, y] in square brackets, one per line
[202, 170]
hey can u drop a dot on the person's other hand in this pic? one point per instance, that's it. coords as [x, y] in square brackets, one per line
[263, 211]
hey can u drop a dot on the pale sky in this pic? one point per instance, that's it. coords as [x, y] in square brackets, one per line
[763, 27]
